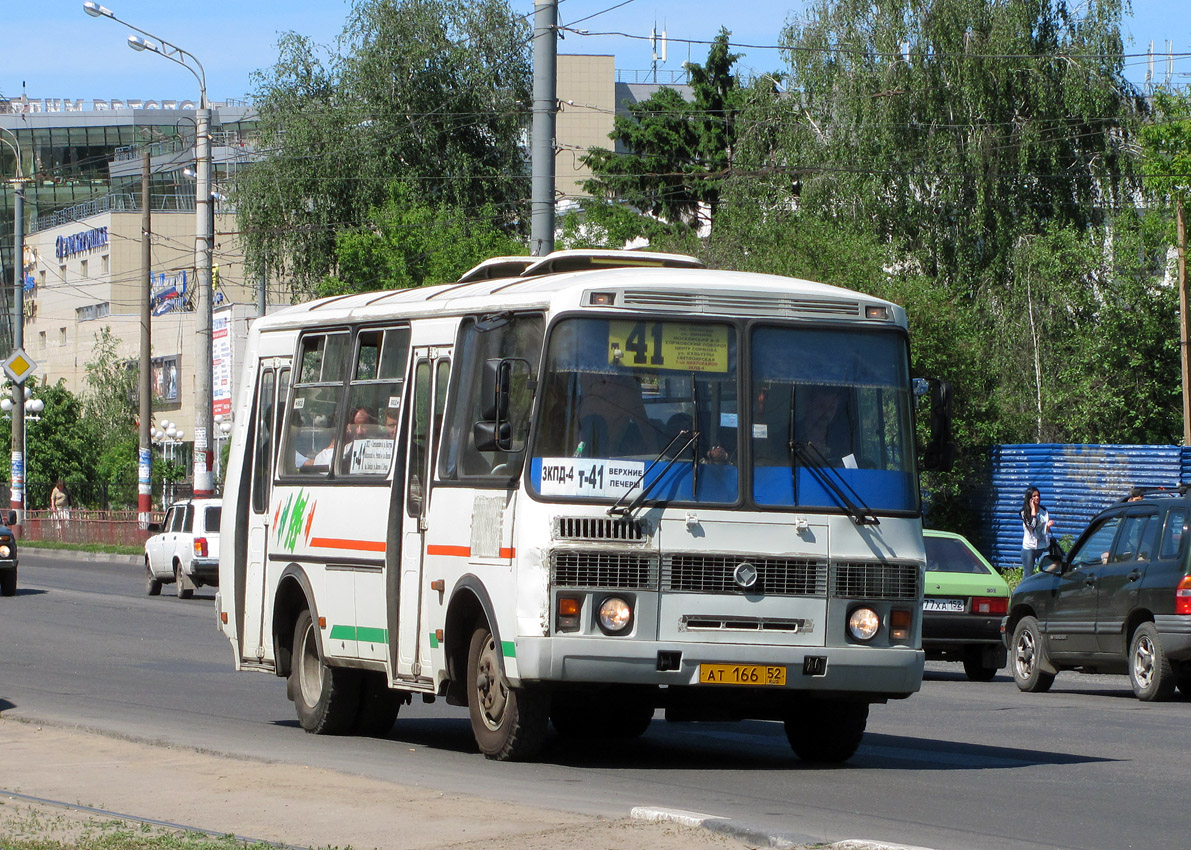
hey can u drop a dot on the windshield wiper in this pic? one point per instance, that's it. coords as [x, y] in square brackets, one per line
[814, 461]
[627, 510]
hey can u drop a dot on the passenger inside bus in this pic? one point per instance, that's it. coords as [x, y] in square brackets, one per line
[612, 417]
[820, 428]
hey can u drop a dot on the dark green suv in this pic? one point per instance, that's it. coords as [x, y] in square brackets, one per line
[1119, 602]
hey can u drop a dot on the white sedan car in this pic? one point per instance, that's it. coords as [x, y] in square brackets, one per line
[184, 549]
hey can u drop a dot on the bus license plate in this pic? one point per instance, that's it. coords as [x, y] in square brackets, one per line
[741, 674]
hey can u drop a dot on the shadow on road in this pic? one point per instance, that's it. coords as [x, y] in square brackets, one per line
[749, 745]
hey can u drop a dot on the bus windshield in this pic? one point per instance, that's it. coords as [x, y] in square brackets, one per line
[827, 420]
[620, 394]
[831, 414]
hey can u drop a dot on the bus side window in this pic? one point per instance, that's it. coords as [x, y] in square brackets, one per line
[262, 463]
[311, 436]
[374, 402]
[419, 438]
[481, 339]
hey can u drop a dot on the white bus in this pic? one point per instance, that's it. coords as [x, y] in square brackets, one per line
[574, 490]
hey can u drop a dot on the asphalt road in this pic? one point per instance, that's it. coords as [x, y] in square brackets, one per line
[960, 765]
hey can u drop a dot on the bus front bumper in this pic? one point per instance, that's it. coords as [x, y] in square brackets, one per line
[881, 673]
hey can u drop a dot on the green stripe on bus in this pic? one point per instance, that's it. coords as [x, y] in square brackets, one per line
[364, 633]
[372, 635]
[433, 641]
[508, 648]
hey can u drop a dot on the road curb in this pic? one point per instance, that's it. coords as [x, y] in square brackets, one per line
[751, 835]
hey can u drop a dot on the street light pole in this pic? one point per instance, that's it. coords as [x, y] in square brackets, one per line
[202, 238]
[17, 490]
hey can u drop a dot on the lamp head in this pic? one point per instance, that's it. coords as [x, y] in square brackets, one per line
[138, 44]
[95, 10]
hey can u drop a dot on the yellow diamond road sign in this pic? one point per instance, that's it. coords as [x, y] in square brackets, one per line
[19, 366]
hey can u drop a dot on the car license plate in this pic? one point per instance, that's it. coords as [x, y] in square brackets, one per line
[741, 674]
[950, 606]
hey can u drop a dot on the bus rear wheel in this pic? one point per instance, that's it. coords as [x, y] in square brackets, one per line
[327, 698]
[509, 723]
[826, 731]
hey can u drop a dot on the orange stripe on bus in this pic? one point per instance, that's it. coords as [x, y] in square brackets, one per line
[357, 545]
[460, 551]
[455, 551]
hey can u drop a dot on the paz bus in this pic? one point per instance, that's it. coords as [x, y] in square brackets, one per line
[574, 491]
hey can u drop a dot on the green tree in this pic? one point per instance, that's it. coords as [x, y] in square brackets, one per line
[677, 152]
[408, 242]
[110, 407]
[424, 91]
[955, 126]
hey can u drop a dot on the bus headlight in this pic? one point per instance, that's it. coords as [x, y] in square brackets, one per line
[615, 615]
[863, 624]
[5, 551]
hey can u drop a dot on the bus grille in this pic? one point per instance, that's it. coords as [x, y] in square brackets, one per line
[875, 580]
[603, 569]
[715, 574]
[598, 528]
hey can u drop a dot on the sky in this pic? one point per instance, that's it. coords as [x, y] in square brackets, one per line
[54, 50]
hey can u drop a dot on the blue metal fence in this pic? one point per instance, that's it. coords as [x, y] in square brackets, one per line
[1076, 481]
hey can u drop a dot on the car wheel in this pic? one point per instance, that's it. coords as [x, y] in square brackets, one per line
[509, 723]
[185, 591]
[8, 582]
[1150, 672]
[1029, 658]
[826, 731]
[327, 698]
[975, 667]
[152, 584]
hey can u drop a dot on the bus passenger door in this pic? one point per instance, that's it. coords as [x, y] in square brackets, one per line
[432, 367]
[272, 390]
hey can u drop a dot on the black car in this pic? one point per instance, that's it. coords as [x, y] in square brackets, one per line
[8, 555]
[1118, 602]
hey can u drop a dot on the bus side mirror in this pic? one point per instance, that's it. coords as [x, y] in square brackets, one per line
[494, 389]
[493, 431]
[11, 518]
[939, 451]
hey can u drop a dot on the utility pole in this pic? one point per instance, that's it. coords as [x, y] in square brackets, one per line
[203, 237]
[144, 498]
[545, 108]
[1181, 235]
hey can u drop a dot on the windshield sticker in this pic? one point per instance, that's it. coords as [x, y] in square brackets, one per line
[668, 345]
[568, 476]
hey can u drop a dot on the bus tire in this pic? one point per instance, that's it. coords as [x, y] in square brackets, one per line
[509, 723]
[826, 731]
[379, 705]
[327, 698]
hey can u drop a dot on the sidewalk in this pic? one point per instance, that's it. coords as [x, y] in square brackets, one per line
[63, 775]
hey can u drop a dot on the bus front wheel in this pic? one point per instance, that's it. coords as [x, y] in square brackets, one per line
[509, 723]
[826, 731]
[327, 698]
